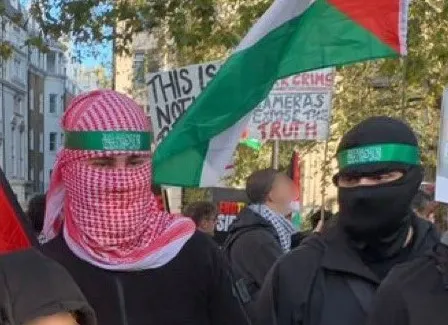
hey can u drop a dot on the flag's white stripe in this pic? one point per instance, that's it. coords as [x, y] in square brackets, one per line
[279, 13]
[220, 152]
[403, 26]
[222, 146]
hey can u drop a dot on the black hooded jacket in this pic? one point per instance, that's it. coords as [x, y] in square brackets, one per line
[193, 288]
[252, 247]
[415, 293]
[325, 282]
[34, 286]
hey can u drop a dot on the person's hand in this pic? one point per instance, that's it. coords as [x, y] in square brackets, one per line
[319, 227]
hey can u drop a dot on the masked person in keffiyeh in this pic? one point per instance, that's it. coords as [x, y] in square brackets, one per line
[136, 265]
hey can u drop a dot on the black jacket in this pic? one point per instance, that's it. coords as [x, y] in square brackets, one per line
[192, 289]
[252, 247]
[415, 293]
[325, 282]
[33, 286]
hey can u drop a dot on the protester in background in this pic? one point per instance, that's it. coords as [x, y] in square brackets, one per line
[35, 290]
[317, 226]
[261, 233]
[332, 277]
[135, 263]
[36, 212]
[424, 206]
[415, 292]
[316, 220]
[204, 215]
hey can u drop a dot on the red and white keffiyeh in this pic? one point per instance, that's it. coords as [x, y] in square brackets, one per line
[109, 216]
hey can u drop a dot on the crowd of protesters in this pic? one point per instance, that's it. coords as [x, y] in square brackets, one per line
[111, 255]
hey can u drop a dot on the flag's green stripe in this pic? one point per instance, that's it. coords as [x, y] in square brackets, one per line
[185, 172]
[322, 36]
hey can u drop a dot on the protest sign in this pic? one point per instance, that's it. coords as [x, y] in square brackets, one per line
[171, 92]
[442, 160]
[229, 203]
[297, 108]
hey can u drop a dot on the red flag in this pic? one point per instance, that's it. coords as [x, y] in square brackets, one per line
[294, 173]
[15, 231]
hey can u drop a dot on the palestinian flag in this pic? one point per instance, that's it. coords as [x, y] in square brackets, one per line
[15, 231]
[293, 36]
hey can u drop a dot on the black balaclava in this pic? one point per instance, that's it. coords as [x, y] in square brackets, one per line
[377, 218]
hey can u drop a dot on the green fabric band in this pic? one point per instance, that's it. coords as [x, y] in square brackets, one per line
[400, 153]
[108, 140]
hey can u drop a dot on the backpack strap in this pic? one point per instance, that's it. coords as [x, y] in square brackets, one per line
[243, 288]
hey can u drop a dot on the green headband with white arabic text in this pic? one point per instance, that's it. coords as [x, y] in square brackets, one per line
[108, 140]
[379, 153]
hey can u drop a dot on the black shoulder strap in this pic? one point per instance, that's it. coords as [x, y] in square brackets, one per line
[363, 291]
[233, 237]
[242, 288]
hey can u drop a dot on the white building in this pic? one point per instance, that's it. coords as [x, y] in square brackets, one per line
[14, 103]
[36, 82]
[54, 105]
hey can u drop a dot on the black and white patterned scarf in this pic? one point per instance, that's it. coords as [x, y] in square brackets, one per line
[282, 225]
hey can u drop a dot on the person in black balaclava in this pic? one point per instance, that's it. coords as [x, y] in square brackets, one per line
[331, 278]
[415, 292]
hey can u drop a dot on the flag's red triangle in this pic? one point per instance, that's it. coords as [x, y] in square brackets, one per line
[15, 232]
[380, 17]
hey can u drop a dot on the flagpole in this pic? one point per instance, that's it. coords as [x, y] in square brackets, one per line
[404, 85]
[324, 177]
[275, 153]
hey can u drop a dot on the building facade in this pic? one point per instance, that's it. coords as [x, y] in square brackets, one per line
[14, 102]
[36, 93]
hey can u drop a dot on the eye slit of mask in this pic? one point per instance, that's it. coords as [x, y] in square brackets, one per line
[377, 177]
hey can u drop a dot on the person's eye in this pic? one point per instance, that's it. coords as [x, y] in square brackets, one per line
[137, 161]
[101, 163]
[386, 177]
[349, 179]
[379, 177]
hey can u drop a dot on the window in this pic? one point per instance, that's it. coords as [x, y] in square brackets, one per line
[41, 142]
[53, 140]
[62, 139]
[62, 109]
[21, 151]
[53, 103]
[51, 172]
[18, 103]
[31, 139]
[51, 62]
[13, 151]
[31, 98]
[17, 64]
[32, 174]
[41, 103]
[139, 67]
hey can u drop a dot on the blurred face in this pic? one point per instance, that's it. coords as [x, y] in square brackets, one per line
[349, 181]
[57, 319]
[118, 161]
[281, 194]
[208, 225]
